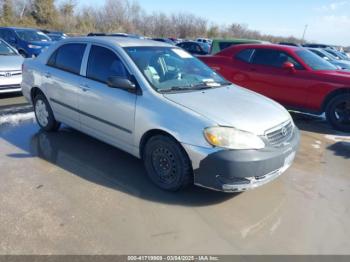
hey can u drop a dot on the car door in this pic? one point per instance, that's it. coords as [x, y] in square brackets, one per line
[267, 76]
[61, 82]
[107, 113]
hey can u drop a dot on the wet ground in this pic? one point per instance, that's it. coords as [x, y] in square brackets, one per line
[12, 100]
[67, 193]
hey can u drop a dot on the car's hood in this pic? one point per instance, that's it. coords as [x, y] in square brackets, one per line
[11, 63]
[41, 43]
[337, 76]
[234, 106]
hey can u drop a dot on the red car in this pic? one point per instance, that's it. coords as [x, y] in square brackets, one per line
[293, 76]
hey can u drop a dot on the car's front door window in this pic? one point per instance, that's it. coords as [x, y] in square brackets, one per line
[104, 63]
[273, 58]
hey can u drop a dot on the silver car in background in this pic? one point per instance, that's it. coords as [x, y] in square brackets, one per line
[341, 64]
[159, 103]
[10, 68]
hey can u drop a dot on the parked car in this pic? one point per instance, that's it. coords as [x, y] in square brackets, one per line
[10, 68]
[342, 64]
[195, 48]
[116, 34]
[29, 42]
[337, 54]
[176, 40]
[204, 40]
[323, 46]
[293, 76]
[164, 40]
[290, 44]
[161, 104]
[54, 35]
[220, 44]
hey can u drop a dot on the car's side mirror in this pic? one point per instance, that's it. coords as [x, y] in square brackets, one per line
[288, 66]
[121, 83]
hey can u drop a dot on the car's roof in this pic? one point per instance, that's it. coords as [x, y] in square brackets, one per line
[20, 28]
[115, 40]
[236, 40]
[228, 50]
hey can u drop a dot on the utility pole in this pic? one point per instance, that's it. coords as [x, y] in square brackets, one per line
[303, 38]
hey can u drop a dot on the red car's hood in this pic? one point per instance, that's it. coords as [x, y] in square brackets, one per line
[337, 76]
[344, 73]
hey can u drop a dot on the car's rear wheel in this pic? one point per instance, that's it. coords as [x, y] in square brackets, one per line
[44, 115]
[338, 112]
[167, 163]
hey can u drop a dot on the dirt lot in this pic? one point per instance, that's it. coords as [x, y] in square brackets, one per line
[67, 193]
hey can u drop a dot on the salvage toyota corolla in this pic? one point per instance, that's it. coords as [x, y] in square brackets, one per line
[160, 104]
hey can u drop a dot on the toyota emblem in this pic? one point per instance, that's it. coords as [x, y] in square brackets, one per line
[8, 74]
[284, 131]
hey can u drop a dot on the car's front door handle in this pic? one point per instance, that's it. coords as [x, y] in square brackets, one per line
[47, 75]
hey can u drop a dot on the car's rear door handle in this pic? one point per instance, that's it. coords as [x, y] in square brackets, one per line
[84, 87]
[253, 69]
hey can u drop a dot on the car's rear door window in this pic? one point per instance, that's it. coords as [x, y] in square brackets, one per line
[104, 63]
[273, 58]
[68, 57]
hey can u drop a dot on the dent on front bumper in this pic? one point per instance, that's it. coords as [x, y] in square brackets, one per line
[241, 170]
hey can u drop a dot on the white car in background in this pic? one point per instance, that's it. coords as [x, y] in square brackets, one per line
[10, 69]
[204, 40]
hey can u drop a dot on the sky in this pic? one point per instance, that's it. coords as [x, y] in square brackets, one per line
[328, 21]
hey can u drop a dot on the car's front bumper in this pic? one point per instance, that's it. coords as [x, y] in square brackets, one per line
[10, 89]
[10, 84]
[241, 170]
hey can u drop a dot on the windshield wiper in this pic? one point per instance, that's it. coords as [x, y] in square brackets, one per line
[174, 88]
[209, 85]
[199, 86]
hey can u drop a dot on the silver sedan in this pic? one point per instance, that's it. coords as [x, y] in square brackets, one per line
[161, 104]
[10, 69]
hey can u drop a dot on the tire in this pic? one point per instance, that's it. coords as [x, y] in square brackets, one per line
[167, 163]
[338, 112]
[44, 115]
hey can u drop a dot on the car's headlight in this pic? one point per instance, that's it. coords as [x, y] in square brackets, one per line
[231, 138]
[34, 46]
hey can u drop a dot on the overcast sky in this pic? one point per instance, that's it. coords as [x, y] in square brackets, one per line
[328, 20]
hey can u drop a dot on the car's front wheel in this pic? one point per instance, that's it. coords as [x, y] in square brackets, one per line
[44, 115]
[338, 112]
[167, 163]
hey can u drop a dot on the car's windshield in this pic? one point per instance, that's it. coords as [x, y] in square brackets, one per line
[32, 36]
[173, 69]
[6, 49]
[314, 61]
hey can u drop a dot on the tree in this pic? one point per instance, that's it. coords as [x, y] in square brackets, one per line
[44, 12]
[67, 19]
[7, 12]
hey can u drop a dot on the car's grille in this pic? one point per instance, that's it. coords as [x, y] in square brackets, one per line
[5, 87]
[281, 134]
[10, 73]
